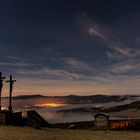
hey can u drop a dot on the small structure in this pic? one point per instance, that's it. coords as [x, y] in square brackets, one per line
[101, 121]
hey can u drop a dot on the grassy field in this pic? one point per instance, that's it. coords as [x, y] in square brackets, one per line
[26, 133]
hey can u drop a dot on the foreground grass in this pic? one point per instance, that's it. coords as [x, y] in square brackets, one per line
[26, 133]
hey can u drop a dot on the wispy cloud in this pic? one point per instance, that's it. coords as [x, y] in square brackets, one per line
[114, 44]
[75, 64]
[101, 84]
[14, 58]
[57, 74]
[17, 64]
[93, 31]
[104, 34]
[132, 66]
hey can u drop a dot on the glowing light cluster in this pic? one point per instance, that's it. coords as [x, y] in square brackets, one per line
[123, 124]
[50, 105]
[4, 108]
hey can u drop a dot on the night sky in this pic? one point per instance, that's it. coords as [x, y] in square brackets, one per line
[62, 47]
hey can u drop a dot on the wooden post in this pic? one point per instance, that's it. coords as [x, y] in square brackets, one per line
[1, 85]
[11, 82]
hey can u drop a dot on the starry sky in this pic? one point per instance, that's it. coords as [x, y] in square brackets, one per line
[63, 47]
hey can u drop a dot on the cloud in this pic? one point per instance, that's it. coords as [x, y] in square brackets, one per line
[20, 64]
[101, 84]
[57, 74]
[94, 32]
[104, 34]
[14, 58]
[132, 66]
[114, 44]
[122, 68]
[76, 65]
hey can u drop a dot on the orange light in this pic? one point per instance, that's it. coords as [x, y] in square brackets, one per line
[122, 124]
[99, 105]
[50, 105]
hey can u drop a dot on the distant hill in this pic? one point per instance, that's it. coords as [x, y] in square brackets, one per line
[26, 96]
[74, 99]
[132, 105]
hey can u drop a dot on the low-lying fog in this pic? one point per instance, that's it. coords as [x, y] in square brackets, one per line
[64, 113]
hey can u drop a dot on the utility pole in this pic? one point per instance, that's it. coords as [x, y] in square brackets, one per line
[11, 82]
[1, 85]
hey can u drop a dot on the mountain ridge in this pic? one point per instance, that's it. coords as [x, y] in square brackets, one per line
[76, 99]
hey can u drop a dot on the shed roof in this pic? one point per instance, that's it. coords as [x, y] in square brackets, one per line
[101, 114]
